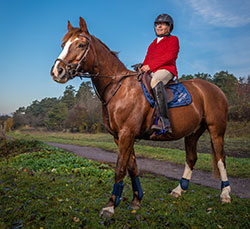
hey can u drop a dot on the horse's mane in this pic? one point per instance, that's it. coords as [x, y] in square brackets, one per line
[114, 53]
[76, 31]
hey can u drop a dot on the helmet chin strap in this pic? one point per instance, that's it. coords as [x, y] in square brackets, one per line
[164, 35]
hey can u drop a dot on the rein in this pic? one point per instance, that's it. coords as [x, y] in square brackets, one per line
[73, 70]
[100, 96]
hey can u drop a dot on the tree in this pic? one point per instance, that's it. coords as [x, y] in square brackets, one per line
[204, 76]
[69, 97]
[228, 83]
[240, 111]
[56, 117]
[77, 119]
[8, 124]
[88, 103]
[36, 113]
[185, 77]
[19, 118]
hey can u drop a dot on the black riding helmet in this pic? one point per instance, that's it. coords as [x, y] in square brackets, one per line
[167, 19]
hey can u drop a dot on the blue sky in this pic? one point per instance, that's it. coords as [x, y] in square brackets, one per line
[214, 35]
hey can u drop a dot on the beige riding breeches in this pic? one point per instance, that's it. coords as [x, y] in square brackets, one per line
[161, 75]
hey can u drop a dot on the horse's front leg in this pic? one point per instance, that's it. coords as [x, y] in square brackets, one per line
[125, 145]
[134, 176]
[137, 190]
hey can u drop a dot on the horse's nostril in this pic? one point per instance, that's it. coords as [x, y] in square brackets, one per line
[60, 70]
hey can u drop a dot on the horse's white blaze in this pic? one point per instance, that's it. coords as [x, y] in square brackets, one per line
[187, 172]
[63, 54]
[223, 172]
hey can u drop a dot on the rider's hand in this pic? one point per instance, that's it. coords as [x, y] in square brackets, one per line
[145, 68]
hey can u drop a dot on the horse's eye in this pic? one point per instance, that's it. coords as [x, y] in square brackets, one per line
[81, 46]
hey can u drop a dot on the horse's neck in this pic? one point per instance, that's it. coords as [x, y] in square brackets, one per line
[107, 63]
[109, 67]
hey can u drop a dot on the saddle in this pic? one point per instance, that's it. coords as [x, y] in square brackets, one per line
[146, 79]
[177, 96]
[177, 93]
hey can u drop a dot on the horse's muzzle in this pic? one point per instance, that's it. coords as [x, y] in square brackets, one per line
[59, 74]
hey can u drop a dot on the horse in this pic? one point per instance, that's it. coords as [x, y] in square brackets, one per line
[127, 114]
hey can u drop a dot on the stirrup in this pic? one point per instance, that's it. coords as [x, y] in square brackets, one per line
[163, 128]
[166, 126]
[156, 128]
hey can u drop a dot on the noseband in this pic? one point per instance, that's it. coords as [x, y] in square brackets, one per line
[73, 70]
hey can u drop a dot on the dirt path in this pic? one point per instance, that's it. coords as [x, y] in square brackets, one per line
[239, 186]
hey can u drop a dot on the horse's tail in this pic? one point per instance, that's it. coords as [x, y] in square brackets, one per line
[216, 172]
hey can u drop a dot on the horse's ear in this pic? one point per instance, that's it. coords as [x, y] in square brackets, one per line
[70, 27]
[83, 25]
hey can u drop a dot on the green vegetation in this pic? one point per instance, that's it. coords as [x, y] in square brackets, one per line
[50, 188]
[235, 166]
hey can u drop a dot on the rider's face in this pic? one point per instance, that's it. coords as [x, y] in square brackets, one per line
[162, 28]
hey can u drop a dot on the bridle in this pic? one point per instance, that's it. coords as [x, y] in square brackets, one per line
[73, 70]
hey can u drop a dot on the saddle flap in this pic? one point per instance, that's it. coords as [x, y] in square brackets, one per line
[146, 80]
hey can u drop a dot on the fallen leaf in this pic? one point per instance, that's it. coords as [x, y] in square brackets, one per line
[77, 220]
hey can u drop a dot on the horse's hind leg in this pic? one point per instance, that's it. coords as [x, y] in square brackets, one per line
[191, 158]
[219, 157]
[137, 190]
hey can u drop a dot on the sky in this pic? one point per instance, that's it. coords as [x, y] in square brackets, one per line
[214, 36]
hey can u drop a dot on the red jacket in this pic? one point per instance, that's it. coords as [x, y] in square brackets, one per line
[163, 55]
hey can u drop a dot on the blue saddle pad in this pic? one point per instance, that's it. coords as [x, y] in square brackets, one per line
[182, 96]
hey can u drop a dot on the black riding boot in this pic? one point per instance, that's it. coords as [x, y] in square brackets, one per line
[161, 101]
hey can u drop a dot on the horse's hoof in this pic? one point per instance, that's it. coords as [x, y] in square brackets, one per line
[107, 212]
[225, 199]
[135, 205]
[175, 194]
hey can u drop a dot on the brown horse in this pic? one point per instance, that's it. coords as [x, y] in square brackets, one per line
[127, 114]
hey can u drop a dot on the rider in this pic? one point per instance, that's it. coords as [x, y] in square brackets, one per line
[160, 62]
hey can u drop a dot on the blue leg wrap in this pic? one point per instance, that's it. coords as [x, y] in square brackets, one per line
[136, 185]
[117, 191]
[184, 183]
[224, 184]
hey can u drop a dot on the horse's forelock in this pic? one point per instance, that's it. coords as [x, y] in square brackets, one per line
[71, 34]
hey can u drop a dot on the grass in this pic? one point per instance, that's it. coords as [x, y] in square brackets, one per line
[238, 167]
[50, 188]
